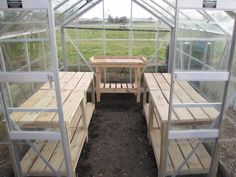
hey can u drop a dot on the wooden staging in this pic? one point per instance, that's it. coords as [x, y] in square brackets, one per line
[135, 63]
[156, 113]
[77, 115]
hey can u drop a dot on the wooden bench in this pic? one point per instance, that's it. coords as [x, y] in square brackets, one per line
[77, 115]
[100, 62]
[156, 112]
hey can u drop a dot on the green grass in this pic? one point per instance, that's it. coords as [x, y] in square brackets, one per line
[94, 46]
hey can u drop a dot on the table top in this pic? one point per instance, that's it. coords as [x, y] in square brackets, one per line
[73, 86]
[159, 86]
[117, 61]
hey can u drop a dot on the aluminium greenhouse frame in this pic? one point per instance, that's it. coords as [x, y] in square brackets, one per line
[13, 130]
[156, 10]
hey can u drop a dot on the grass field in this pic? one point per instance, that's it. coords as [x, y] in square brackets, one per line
[91, 44]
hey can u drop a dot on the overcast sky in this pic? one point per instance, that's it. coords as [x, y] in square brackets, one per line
[117, 8]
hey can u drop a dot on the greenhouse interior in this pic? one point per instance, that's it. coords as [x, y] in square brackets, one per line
[128, 88]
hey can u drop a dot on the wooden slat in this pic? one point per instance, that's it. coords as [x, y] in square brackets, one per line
[102, 85]
[186, 148]
[73, 81]
[130, 86]
[118, 85]
[151, 82]
[176, 156]
[66, 78]
[30, 157]
[56, 160]
[124, 86]
[42, 103]
[202, 154]
[156, 144]
[113, 86]
[46, 152]
[30, 102]
[85, 81]
[46, 117]
[107, 85]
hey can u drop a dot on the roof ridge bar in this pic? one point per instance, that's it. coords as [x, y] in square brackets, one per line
[154, 14]
[59, 5]
[162, 8]
[84, 11]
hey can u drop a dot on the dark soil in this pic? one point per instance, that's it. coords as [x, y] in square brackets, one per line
[117, 145]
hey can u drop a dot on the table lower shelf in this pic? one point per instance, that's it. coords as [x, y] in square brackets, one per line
[118, 88]
[199, 162]
[32, 165]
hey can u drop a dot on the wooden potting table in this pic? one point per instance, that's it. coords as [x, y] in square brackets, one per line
[77, 115]
[115, 62]
[156, 113]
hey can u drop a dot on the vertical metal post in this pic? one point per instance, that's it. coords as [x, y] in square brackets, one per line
[4, 70]
[131, 38]
[77, 45]
[170, 110]
[104, 39]
[190, 54]
[171, 45]
[63, 43]
[44, 56]
[12, 149]
[64, 139]
[157, 45]
[216, 151]
[28, 62]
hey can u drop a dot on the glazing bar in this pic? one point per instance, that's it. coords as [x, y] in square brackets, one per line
[183, 134]
[20, 77]
[201, 105]
[202, 76]
[37, 135]
[31, 110]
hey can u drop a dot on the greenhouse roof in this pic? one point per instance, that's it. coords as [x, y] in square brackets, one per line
[67, 11]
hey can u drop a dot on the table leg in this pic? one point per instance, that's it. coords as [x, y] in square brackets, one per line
[98, 82]
[145, 95]
[150, 120]
[138, 82]
[164, 148]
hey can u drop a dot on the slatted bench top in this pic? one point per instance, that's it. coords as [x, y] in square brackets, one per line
[178, 151]
[159, 86]
[73, 87]
[113, 61]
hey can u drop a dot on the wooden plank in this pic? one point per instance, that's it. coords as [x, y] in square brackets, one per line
[66, 78]
[176, 156]
[151, 81]
[161, 105]
[30, 102]
[113, 86]
[56, 159]
[156, 144]
[124, 86]
[74, 81]
[46, 117]
[46, 152]
[118, 85]
[85, 81]
[129, 86]
[102, 85]
[42, 103]
[186, 149]
[30, 157]
[107, 85]
[202, 154]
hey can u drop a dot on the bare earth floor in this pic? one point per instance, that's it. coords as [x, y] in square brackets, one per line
[118, 145]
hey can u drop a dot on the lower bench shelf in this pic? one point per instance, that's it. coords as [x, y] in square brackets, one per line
[118, 88]
[32, 165]
[198, 163]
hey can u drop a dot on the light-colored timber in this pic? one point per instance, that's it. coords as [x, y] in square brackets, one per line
[157, 86]
[136, 63]
[77, 116]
